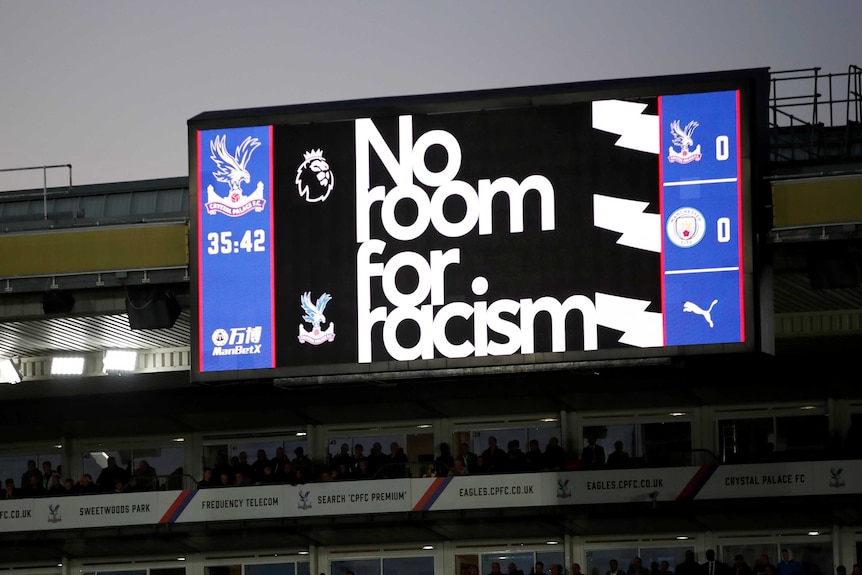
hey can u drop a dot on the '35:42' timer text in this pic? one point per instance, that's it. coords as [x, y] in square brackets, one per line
[224, 242]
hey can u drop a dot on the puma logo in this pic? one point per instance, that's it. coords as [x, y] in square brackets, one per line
[706, 313]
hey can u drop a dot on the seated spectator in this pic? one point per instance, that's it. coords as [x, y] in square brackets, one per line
[55, 487]
[68, 486]
[10, 491]
[34, 487]
[207, 480]
[85, 485]
[534, 459]
[555, 456]
[361, 471]
[224, 480]
[458, 468]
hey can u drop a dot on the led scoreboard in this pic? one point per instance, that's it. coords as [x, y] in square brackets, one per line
[541, 225]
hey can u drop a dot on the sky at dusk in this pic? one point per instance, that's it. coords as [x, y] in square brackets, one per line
[108, 86]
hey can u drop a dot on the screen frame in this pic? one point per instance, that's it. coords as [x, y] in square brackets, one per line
[753, 87]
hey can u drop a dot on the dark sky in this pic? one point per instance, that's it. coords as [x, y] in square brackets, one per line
[108, 85]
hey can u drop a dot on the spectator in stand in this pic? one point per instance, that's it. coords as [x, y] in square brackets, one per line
[593, 456]
[760, 565]
[468, 458]
[637, 567]
[576, 569]
[689, 566]
[258, 465]
[787, 565]
[146, 476]
[10, 491]
[495, 569]
[554, 569]
[86, 486]
[111, 475]
[513, 570]
[244, 466]
[481, 466]
[664, 568]
[841, 570]
[540, 567]
[302, 463]
[56, 486]
[68, 486]
[362, 471]
[443, 463]
[31, 471]
[343, 457]
[458, 468]
[555, 456]
[222, 465]
[286, 474]
[615, 568]
[396, 464]
[279, 459]
[34, 487]
[495, 458]
[207, 480]
[856, 569]
[47, 472]
[740, 567]
[516, 461]
[534, 459]
[712, 565]
[376, 459]
[618, 459]
[224, 480]
[358, 453]
[240, 480]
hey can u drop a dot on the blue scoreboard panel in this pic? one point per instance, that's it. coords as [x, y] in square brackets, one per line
[552, 224]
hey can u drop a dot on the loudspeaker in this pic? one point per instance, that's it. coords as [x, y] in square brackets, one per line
[151, 308]
[57, 302]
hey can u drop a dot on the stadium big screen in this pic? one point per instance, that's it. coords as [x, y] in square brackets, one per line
[541, 225]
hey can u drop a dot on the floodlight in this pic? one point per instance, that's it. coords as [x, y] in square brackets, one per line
[67, 366]
[8, 372]
[119, 360]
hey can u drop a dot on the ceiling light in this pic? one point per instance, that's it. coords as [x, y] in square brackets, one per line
[178, 439]
[682, 537]
[427, 547]
[118, 360]
[676, 413]
[814, 533]
[8, 372]
[59, 446]
[807, 407]
[303, 553]
[301, 433]
[181, 558]
[552, 542]
[424, 426]
[67, 366]
[548, 419]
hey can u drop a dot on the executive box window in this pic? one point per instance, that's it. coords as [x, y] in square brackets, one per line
[792, 437]
[653, 444]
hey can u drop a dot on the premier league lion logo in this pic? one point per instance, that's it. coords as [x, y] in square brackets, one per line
[314, 179]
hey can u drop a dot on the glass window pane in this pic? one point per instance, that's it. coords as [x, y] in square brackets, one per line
[667, 443]
[743, 440]
[552, 557]
[751, 552]
[504, 436]
[815, 557]
[652, 557]
[806, 435]
[271, 569]
[303, 568]
[358, 566]
[523, 562]
[224, 570]
[408, 566]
